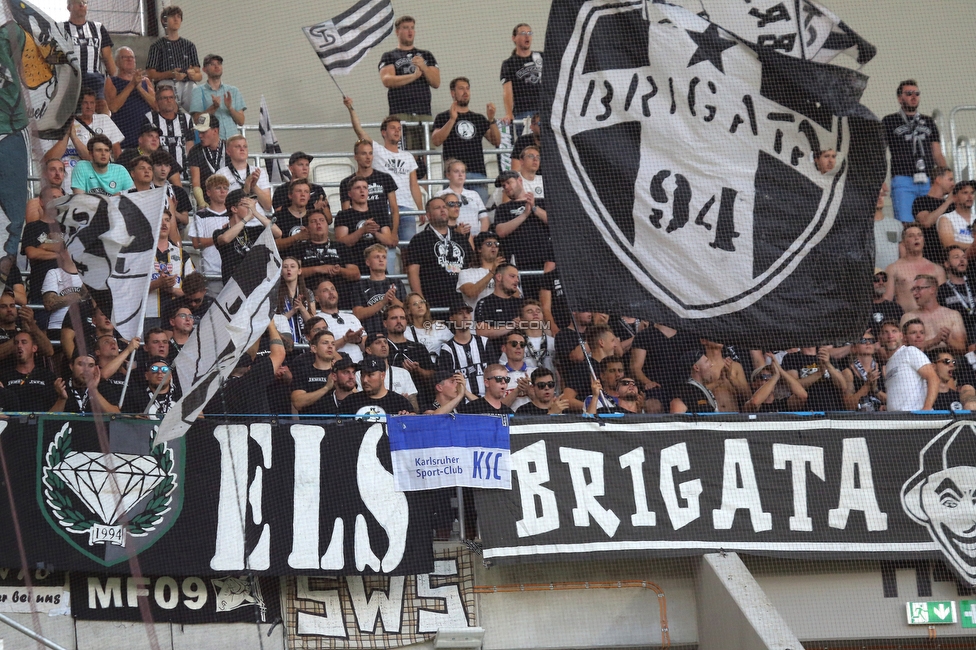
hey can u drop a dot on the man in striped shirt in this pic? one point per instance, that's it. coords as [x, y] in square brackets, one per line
[175, 126]
[94, 48]
[174, 58]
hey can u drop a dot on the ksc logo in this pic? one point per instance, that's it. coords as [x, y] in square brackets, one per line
[692, 158]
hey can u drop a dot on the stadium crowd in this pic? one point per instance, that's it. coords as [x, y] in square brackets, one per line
[468, 331]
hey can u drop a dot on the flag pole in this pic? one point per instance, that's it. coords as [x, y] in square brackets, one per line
[332, 77]
[132, 359]
[589, 360]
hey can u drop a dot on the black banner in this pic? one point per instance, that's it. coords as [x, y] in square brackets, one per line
[171, 599]
[885, 488]
[227, 499]
[686, 163]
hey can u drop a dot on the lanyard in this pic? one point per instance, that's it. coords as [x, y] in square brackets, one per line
[214, 161]
[969, 304]
[237, 174]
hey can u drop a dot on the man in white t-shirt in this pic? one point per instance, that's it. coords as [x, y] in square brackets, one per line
[401, 165]
[531, 178]
[476, 282]
[911, 379]
[955, 228]
[397, 379]
[73, 147]
[349, 332]
[240, 174]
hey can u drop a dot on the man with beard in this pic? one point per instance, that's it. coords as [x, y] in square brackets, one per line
[100, 175]
[33, 384]
[344, 373]
[404, 353]
[435, 258]
[513, 347]
[155, 395]
[347, 328]
[957, 292]
[955, 228]
[396, 379]
[498, 313]
[14, 320]
[881, 309]
[542, 395]
[460, 130]
[890, 338]
[944, 326]
[375, 398]
[80, 394]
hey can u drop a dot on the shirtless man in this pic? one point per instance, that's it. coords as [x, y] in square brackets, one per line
[943, 326]
[902, 272]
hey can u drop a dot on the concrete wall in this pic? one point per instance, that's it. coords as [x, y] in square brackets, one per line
[266, 52]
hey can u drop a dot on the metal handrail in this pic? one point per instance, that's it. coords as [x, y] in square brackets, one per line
[952, 123]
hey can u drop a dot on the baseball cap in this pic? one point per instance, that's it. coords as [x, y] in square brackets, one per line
[371, 363]
[442, 375]
[458, 305]
[212, 57]
[298, 155]
[345, 361]
[163, 361]
[690, 358]
[371, 339]
[504, 176]
[149, 127]
[205, 122]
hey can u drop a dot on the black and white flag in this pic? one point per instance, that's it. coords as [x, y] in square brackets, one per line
[235, 321]
[270, 145]
[804, 29]
[685, 163]
[112, 240]
[344, 40]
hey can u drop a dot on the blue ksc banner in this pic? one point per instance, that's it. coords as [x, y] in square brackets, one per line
[437, 451]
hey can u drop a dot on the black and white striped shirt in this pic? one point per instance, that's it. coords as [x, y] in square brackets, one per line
[89, 39]
[470, 359]
[176, 132]
[166, 55]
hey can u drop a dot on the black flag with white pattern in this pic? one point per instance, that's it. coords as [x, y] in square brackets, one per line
[685, 162]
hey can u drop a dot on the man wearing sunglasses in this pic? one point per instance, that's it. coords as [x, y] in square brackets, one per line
[156, 395]
[943, 326]
[913, 140]
[952, 396]
[496, 387]
[542, 395]
[513, 356]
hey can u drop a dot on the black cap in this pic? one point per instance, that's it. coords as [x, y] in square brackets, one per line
[212, 57]
[690, 358]
[345, 361]
[149, 127]
[442, 375]
[372, 363]
[371, 339]
[298, 155]
[233, 198]
[157, 360]
[205, 122]
[504, 176]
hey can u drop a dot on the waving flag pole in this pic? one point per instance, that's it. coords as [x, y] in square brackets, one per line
[345, 39]
[270, 144]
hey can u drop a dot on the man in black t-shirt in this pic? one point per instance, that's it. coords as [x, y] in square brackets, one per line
[246, 390]
[883, 310]
[499, 312]
[460, 130]
[380, 189]
[522, 225]
[312, 382]
[377, 292]
[542, 395]
[496, 385]
[375, 398]
[234, 240]
[40, 243]
[958, 292]
[435, 258]
[33, 384]
[927, 210]
[293, 218]
[521, 78]
[409, 73]
[324, 260]
[156, 394]
[80, 394]
[358, 227]
[298, 167]
[823, 382]
[913, 140]
[206, 158]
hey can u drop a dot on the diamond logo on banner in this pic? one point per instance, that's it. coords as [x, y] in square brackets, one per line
[121, 498]
[109, 484]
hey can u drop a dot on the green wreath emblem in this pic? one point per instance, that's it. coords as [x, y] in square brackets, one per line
[59, 497]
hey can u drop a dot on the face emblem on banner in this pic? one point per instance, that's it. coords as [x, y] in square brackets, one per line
[942, 495]
[712, 162]
[107, 504]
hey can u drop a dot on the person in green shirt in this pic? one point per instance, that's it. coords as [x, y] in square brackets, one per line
[100, 175]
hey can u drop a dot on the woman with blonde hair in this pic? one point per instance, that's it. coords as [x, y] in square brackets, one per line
[422, 328]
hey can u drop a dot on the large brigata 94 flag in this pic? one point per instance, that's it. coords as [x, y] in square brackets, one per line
[234, 322]
[685, 162]
[112, 241]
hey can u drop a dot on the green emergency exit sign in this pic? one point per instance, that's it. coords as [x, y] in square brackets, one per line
[933, 612]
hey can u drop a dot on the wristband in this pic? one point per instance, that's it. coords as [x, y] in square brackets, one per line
[276, 342]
